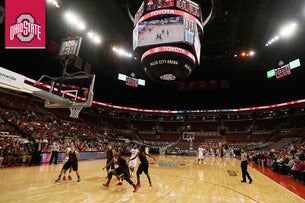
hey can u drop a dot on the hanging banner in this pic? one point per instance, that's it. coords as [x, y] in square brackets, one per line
[25, 24]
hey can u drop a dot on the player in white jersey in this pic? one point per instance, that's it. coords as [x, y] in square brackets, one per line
[146, 150]
[133, 164]
[200, 155]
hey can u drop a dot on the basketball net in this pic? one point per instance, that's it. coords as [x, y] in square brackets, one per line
[74, 111]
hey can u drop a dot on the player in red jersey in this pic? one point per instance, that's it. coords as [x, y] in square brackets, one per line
[144, 165]
[109, 156]
[72, 162]
[122, 172]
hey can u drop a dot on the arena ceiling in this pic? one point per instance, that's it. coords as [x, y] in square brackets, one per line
[236, 26]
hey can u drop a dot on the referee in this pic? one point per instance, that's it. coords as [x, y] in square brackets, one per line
[244, 166]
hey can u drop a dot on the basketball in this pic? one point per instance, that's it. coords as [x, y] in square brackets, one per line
[85, 93]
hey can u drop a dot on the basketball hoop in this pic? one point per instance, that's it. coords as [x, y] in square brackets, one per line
[74, 111]
[189, 137]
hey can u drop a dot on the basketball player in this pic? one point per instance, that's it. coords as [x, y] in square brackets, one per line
[65, 161]
[133, 164]
[122, 172]
[244, 165]
[54, 153]
[109, 156]
[72, 162]
[146, 150]
[144, 165]
[200, 154]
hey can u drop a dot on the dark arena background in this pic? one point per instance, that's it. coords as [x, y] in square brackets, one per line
[152, 100]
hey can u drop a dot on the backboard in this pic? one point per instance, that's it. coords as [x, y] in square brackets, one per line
[188, 136]
[76, 90]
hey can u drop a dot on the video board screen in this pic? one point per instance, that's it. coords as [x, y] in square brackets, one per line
[157, 4]
[197, 46]
[191, 36]
[160, 31]
[189, 6]
[135, 36]
[190, 31]
[70, 46]
[139, 13]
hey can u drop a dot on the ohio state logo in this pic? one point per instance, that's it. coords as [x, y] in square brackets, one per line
[25, 29]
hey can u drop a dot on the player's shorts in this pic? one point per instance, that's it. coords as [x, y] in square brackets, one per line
[69, 164]
[122, 171]
[200, 156]
[111, 165]
[133, 164]
[143, 167]
[65, 160]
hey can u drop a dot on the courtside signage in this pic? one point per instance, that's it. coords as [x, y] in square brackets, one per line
[11, 78]
[25, 26]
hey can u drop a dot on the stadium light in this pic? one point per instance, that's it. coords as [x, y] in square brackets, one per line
[285, 32]
[90, 35]
[122, 52]
[288, 30]
[252, 53]
[245, 54]
[74, 20]
[95, 38]
[274, 39]
[54, 3]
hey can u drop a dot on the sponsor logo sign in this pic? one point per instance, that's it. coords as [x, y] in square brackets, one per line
[10, 78]
[169, 49]
[25, 24]
[169, 12]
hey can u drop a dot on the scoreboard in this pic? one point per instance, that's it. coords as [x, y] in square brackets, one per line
[167, 37]
[149, 6]
[284, 70]
[70, 47]
[158, 4]
[131, 81]
[139, 13]
[189, 7]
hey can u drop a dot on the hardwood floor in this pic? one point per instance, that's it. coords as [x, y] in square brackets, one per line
[174, 178]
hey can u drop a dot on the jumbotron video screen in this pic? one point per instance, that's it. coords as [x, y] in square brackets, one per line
[189, 6]
[164, 31]
[158, 4]
[167, 30]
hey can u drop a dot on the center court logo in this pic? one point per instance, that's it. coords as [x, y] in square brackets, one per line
[25, 29]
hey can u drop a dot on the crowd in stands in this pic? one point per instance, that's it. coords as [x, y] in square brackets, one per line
[27, 130]
[14, 151]
[288, 160]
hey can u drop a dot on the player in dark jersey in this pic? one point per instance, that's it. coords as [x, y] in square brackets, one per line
[144, 165]
[121, 172]
[71, 163]
[109, 156]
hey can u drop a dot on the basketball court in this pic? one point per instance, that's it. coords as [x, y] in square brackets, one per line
[175, 179]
